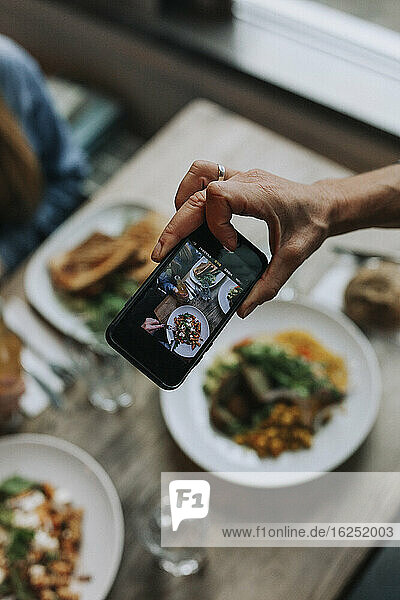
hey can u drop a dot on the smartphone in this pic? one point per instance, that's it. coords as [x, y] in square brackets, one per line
[173, 319]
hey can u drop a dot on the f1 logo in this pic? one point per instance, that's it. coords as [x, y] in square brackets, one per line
[189, 499]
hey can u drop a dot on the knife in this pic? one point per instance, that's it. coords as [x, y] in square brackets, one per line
[363, 255]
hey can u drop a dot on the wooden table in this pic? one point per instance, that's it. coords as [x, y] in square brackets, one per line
[134, 445]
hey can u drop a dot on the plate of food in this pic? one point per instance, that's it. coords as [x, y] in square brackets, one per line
[61, 523]
[293, 397]
[187, 330]
[227, 294]
[205, 273]
[85, 272]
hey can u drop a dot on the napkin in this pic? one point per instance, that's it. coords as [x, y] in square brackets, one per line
[35, 400]
[34, 364]
[35, 334]
[41, 345]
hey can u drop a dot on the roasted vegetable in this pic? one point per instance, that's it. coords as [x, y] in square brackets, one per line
[272, 393]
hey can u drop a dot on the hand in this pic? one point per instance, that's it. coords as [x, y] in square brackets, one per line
[151, 325]
[297, 216]
[11, 389]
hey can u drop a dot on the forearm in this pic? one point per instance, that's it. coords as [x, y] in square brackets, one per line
[368, 200]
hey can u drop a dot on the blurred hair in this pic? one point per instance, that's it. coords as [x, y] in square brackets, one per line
[20, 173]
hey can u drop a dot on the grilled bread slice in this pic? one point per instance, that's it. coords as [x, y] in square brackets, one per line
[146, 232]
[91, 262]
[84, 269]
[205, 268]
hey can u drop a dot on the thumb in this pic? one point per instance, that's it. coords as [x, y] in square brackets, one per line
[283, 264]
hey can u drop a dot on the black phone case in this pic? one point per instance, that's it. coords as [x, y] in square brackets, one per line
[142, 291]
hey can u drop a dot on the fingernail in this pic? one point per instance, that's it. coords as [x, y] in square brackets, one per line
[249, 310]
[230, 246]
[157, 251]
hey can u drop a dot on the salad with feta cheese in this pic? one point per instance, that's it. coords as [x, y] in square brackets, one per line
[187, 330]
[40, 540]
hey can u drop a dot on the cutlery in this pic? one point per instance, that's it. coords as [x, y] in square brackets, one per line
[40, 339]
[67, 376]
[207, 292]
[362, 255]
[201, 291]
[191, 288]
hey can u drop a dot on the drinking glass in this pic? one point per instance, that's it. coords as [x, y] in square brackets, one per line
[179, 562]
[110, 381]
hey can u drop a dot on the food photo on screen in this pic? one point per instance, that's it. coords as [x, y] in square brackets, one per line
[187, 301]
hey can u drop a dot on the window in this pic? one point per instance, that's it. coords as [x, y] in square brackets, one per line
[383, 12]
[331, 55]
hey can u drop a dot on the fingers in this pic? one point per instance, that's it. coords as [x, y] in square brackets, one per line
[219, 213]
[188, 218]
[283, 264]
[225, 198]
[200, 174]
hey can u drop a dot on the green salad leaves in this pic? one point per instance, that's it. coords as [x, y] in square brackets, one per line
[100, 309]
[284, 371]
[15, 485]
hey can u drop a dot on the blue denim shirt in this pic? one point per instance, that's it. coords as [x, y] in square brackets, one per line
[64, 166]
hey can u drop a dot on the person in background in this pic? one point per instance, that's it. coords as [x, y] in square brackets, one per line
[178, 267]
[41, 176]
[300, 217]
[41, 169]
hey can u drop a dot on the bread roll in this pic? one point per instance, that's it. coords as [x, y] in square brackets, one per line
[372, 297]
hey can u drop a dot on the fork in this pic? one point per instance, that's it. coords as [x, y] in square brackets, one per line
[67, 375]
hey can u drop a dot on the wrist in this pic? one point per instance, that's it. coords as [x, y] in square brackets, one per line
[333, 201]
[367, 200]
[350, 204]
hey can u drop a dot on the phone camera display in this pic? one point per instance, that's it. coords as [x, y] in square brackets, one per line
[188, 300]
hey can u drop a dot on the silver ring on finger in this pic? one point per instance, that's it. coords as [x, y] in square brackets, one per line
[221, 172]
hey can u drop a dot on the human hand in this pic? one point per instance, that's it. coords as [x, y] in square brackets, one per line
[151, 325]
[11, 389]
[297, 215]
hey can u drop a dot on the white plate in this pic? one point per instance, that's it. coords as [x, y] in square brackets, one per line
[186, 414]
[193, 277]
[46, 458]
[38, 286]
[184, 349]
[223, 294]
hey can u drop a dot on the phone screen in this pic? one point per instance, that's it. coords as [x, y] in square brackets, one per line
[181, 308]
[191, 296]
